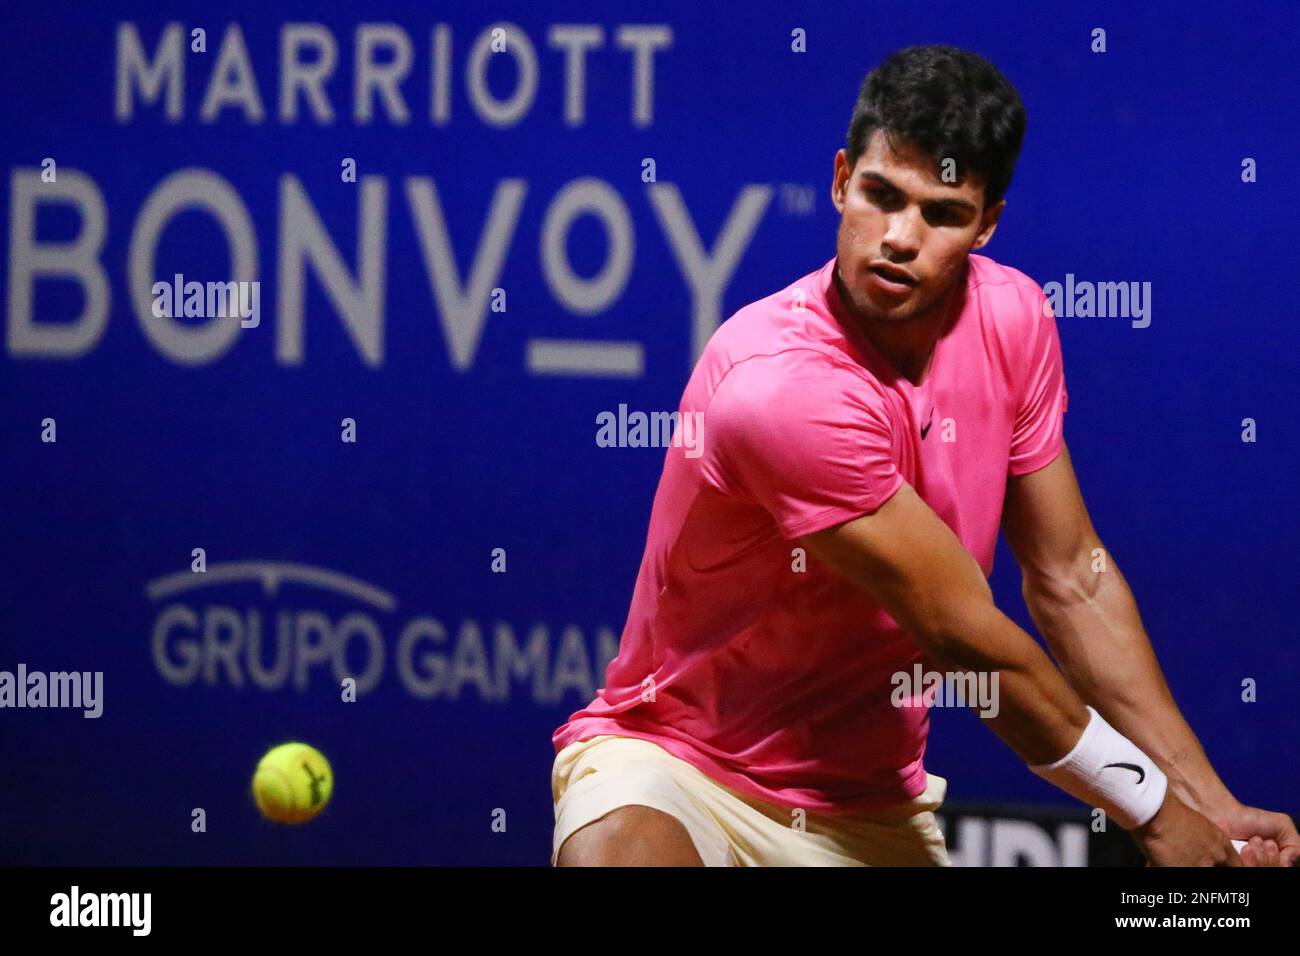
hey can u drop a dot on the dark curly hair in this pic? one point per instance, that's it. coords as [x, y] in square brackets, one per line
[952, 104]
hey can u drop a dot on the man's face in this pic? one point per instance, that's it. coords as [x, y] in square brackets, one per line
[897, 212]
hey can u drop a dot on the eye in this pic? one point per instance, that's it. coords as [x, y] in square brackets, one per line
[881, 195]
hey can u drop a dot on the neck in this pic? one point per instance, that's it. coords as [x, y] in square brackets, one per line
[908, 346]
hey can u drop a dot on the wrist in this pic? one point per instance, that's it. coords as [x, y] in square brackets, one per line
[1156, 826]
[1107, 770]
[1211, 799]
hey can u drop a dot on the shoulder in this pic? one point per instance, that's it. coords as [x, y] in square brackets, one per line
[1014, 311]
[794, 376]
[797, 404]
[785, 341]
[1012, 298]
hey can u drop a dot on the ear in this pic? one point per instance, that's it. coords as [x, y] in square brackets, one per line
[989, 223]
[840, 180]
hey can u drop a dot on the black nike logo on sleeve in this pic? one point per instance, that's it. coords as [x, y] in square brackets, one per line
[1142, 774]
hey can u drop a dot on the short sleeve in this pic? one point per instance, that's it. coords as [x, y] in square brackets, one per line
[1042, 397]
[802, 435]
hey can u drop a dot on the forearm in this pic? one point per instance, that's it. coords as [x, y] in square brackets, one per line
[1037, 713]
[1092, 625]
[913, 567]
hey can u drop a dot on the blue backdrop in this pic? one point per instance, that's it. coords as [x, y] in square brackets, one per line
[475, 414]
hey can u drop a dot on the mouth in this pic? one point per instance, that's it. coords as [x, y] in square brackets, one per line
[891, 279]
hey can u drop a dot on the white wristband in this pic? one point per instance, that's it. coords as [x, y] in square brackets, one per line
[1105, 769]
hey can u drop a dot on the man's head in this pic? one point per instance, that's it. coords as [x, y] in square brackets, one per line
[921, 180]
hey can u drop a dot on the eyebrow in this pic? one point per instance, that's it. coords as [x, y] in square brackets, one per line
[955, 203]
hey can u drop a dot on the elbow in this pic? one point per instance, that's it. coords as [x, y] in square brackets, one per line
[949, 621]
[953, 631]
[1047, 592]
[1065, 580]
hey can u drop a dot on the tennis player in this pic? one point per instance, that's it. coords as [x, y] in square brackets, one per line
[866, 431]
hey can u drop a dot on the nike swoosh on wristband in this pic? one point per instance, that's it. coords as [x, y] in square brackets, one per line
[1142, 774]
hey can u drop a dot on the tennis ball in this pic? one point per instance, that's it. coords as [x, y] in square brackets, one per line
[292, 784]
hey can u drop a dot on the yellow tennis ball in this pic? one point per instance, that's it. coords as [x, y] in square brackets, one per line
[292, 784]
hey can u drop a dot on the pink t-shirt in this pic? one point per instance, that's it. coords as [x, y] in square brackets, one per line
[776, 682]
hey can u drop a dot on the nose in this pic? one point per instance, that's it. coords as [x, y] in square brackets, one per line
[902, 240]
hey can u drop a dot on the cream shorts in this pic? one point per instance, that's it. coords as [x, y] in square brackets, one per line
[593, 777]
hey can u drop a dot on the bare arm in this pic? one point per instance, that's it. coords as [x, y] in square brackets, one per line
[915, 568]
[1090, 621]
